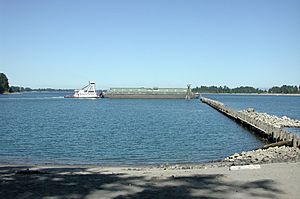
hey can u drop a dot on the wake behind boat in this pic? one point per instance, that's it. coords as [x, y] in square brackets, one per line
[88, 91]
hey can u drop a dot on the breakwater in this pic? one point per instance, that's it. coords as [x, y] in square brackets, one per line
[260, 156]
[266, 126]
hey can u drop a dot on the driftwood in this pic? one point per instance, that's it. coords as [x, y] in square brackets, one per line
[27, 171]
[282, 143]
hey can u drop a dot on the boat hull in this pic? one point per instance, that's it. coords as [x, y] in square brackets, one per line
[94, 97]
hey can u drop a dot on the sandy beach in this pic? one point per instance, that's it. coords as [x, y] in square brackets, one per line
[275, 180]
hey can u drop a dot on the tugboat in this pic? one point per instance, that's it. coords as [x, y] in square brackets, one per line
[88, 91]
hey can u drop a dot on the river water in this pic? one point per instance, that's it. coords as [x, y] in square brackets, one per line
[39, 128]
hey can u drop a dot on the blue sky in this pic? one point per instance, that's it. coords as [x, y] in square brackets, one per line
[118, 43]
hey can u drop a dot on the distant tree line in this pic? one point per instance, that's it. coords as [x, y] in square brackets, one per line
[50, 89]
[14, 89]
[225, 89]
[285, 89]
[5, 88]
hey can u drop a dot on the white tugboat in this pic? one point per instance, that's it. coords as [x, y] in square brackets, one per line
[88, 91]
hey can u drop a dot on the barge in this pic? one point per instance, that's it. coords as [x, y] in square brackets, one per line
[150, 93]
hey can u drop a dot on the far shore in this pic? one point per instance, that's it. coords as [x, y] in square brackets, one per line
[266, 94]
[8, 93]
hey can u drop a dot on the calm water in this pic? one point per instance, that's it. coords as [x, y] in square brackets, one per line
[46, 128]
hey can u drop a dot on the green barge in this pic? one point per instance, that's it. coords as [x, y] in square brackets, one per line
[150, 93]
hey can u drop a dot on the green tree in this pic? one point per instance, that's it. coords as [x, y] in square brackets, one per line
[14, 89]
[225, 89]
[286, 89]
[4, 86]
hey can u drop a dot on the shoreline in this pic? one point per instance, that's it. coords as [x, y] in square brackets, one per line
[236, 176]
[273, 180]
[257, 156]
[7, 163]
[175, 167]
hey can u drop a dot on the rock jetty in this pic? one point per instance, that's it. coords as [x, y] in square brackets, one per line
[267, 127]
[278, 122]
[262, 156]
